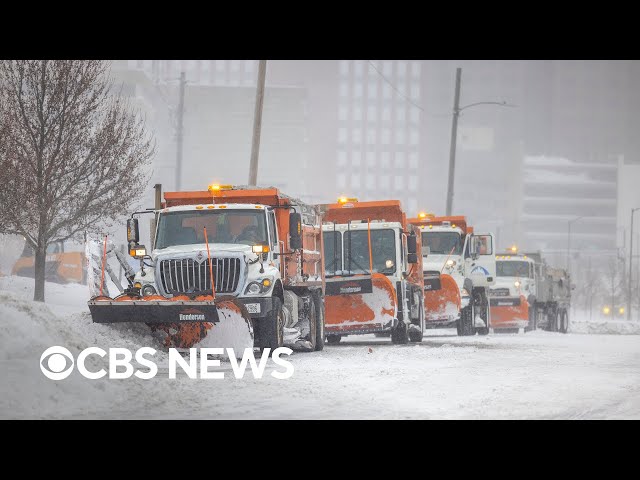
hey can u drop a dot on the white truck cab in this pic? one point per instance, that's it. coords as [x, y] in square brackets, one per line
[515, 276]
[450, 247]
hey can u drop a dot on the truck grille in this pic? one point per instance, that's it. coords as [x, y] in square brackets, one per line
[188, 276]
[499, 292]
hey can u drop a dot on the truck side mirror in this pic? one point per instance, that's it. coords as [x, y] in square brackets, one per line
[295, 231]
[412, 257]
[133, 233]
[412, 245]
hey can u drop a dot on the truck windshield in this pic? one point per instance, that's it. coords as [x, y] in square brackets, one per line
[442, 243]
[512, 269]
[332, 252]
[186, 227]
[383, 245]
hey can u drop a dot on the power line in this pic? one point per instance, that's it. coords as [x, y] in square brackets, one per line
[394, 87]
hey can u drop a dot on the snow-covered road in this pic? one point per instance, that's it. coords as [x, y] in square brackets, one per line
[502, 376]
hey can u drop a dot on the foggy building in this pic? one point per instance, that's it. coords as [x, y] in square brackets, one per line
[378, 131]
[557, 191]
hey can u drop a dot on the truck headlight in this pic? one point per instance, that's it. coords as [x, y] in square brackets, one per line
[451, 263]
[516, 283]
[259, 286]
[148, 290]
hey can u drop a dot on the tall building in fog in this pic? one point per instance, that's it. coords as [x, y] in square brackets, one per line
[378, 131]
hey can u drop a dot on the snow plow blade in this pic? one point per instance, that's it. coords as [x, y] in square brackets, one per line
[443, 304]
[349, 285]
[358, 313]
[113, 311]
[184, 323]
[509, 312]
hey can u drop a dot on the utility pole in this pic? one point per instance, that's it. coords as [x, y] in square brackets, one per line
[633, 210]
[454, 138]
[180, 132]
[454, 135]
[257, 123]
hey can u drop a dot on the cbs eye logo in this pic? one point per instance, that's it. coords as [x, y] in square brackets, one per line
[55, 367]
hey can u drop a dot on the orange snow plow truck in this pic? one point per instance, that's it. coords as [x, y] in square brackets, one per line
[373, 266]
[458, 270]
[232, 267]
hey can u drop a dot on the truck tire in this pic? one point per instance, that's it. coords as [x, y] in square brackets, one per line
[400, 334]
[483, 305]
[271, 328]
[553, 321]
[334, 339]
[319, 304]
[464, 325]
[313, 323]
[416, 334]
[563, 320]
[533, 319]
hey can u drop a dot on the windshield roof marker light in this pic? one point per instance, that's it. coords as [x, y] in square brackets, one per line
[514, 249]
[343, 200]
[215, 187]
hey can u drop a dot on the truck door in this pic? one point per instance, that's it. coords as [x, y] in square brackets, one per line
[273, 238]
[480, 259]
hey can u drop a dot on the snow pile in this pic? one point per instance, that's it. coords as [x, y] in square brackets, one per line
[620, 327]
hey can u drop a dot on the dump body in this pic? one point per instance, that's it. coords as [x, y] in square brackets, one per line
[60, 266]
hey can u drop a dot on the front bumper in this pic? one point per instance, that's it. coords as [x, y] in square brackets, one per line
[258, 307]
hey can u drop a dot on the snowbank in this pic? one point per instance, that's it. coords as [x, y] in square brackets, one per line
[620, 327]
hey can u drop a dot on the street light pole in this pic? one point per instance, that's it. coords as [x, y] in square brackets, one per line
[180, 133]
[454, 138]
[633, 210]
[454, 135]
[257, 123]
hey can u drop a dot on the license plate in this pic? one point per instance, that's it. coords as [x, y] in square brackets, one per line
[253, 307]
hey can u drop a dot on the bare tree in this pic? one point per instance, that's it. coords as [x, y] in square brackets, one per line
[72, 152]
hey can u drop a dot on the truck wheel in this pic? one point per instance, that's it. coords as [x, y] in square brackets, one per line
[484, 308]
[334, 339]
[464, 325]
[400, 334]
[415, 334]
[271, 327]
[533, 316]
[563, 321]
[317, 300]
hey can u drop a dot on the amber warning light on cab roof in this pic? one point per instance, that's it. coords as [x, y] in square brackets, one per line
[343, 200]
[215, 187]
